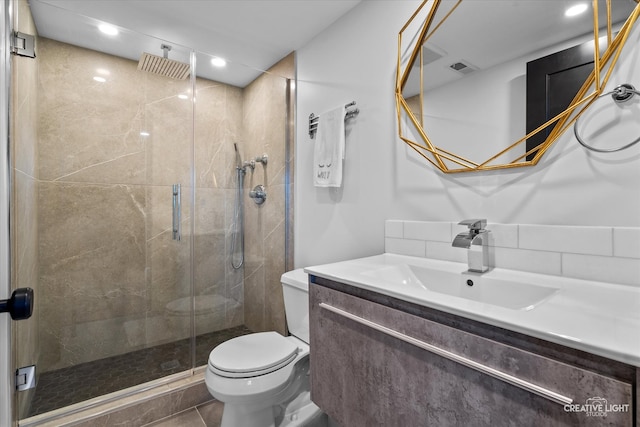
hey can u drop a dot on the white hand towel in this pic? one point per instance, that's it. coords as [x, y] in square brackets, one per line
[329, 149]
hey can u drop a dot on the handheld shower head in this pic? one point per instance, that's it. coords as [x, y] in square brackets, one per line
[238, 158]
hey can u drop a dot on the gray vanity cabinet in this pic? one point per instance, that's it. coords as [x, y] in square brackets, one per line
[362, 374]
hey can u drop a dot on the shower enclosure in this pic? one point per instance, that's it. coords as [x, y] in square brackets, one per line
[98, 149]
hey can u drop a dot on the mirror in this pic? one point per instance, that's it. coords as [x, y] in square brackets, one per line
[461, 88]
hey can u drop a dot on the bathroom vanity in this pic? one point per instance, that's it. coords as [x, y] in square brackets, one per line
[390, 348]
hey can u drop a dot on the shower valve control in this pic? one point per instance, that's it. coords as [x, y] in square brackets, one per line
[258, 194]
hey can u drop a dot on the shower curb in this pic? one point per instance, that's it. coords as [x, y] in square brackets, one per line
[133, 407]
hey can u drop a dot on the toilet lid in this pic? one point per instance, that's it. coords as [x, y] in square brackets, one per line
[252, 355]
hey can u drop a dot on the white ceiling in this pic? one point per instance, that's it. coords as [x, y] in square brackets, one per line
[486, 33]
[255, 34]
[251, 34]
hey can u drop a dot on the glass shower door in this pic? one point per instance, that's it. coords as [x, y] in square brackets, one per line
[99, 150]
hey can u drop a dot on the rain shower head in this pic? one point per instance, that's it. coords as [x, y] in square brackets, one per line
[163, 66]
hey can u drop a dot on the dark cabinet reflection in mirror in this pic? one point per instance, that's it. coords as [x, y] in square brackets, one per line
[552, 83]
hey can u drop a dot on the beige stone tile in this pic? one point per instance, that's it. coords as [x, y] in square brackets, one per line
[23, 21]
[190, 417]
[157, 87]
[211, 413]
[274, 211]
[138, 414]
[25, 231]
[254, 295]
[217, 127]
[264, 123]
[85, 127]
[107, 248]
[24, 242]
[209, 241]
[234, 311]
[168, 147]
[92, 262]
[189, 397]
[285, 68]
[169, 271]
[274, 268]
[24, 140]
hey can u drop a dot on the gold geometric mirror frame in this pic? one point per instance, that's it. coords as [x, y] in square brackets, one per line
[450, 162]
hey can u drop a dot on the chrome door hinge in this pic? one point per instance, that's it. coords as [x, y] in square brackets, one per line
[26, 378]
[23, 45]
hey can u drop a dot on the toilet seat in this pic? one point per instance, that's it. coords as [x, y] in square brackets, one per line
[252, 355]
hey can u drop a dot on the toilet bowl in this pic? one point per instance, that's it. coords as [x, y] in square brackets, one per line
[263, 378]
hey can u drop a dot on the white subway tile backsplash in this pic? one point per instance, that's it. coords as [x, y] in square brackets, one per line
[503, 235]
[446, 252]
[393, 228]
[541, 262]
[424, 230]
[610, 254]
[577, 240]
[626, 242]
[605, 269]
[405, 246]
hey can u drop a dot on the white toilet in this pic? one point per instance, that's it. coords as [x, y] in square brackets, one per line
[263, 378]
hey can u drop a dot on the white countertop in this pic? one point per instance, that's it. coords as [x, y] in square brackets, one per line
[597, 317]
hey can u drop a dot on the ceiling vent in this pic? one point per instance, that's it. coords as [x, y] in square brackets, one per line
[463, 67]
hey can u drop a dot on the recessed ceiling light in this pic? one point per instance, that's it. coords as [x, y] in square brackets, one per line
[218, 62]
[99, 79]
[576, 9]
[108, 29]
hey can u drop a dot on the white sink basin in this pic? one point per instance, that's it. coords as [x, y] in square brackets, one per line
[597, 317]
[512, 294]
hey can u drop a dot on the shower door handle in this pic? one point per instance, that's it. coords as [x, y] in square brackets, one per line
[20, 305]
[176, 212]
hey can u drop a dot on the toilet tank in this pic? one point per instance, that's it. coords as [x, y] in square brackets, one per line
[295, 288]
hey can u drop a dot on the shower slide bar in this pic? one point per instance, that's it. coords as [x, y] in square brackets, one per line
[177, 207]
[525, 385]
[313, 119]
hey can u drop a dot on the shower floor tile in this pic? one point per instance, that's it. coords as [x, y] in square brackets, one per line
[64, 387]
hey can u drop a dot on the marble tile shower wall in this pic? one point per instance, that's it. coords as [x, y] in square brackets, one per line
[609, 254]
[108, 264]
[265, 132]
[24, 206]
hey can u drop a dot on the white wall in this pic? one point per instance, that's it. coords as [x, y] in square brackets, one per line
[355, 60]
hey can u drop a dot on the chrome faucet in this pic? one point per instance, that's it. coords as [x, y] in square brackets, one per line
[477, 243]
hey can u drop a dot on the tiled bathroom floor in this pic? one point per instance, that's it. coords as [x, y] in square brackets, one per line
[67, 386]
[207, 415]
